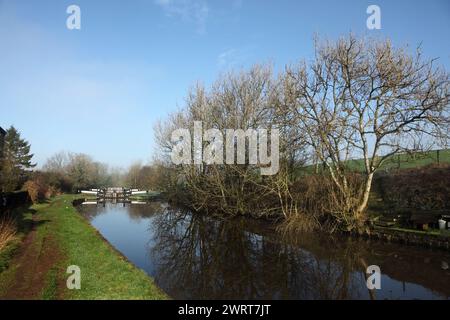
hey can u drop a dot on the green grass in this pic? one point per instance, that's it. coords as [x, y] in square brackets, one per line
[7, 271]
[7, 253]
[105, 273]
[24, 215]
[50, 291]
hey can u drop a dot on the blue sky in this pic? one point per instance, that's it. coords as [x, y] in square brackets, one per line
[99, 90]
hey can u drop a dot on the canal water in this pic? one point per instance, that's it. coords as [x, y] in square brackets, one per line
[192, 256]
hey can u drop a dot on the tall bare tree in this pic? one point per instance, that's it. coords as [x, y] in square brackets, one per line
[365, 99]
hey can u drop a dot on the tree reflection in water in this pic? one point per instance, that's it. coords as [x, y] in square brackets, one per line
[204, 258]
[194, 256]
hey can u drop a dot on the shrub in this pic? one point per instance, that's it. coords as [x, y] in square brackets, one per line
[7, 231]
[40, 188]
[426, 188]
[33, 190]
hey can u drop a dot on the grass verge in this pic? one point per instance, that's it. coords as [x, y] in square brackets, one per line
[63, 238]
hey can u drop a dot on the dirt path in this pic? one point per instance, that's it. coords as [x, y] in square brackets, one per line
[34, 260]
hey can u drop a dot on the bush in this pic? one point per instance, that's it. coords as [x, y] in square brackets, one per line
[7, 231]
[426, 188]
[40, 188]
[319, 203]
[33, 190]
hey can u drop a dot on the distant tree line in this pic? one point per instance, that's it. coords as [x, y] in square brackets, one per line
[62, 172]
[72, 172]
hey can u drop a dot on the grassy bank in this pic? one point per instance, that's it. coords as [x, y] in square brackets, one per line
[60, 237]
[23, 226]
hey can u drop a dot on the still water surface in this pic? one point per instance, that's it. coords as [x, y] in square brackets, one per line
[192, 256]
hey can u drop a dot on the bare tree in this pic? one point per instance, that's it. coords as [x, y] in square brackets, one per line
[237, 100]
[134, 175]
[57, 163]
[73, 171]
[366, 99]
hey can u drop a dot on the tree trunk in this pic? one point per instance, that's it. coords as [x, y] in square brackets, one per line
[365, 197]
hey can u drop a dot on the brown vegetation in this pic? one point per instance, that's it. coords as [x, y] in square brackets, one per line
[40, 188]
[426, 188]
[7, 230]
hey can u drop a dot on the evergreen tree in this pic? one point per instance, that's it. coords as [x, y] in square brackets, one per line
[15, 162]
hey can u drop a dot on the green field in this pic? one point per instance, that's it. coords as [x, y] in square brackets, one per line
[399, 162]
